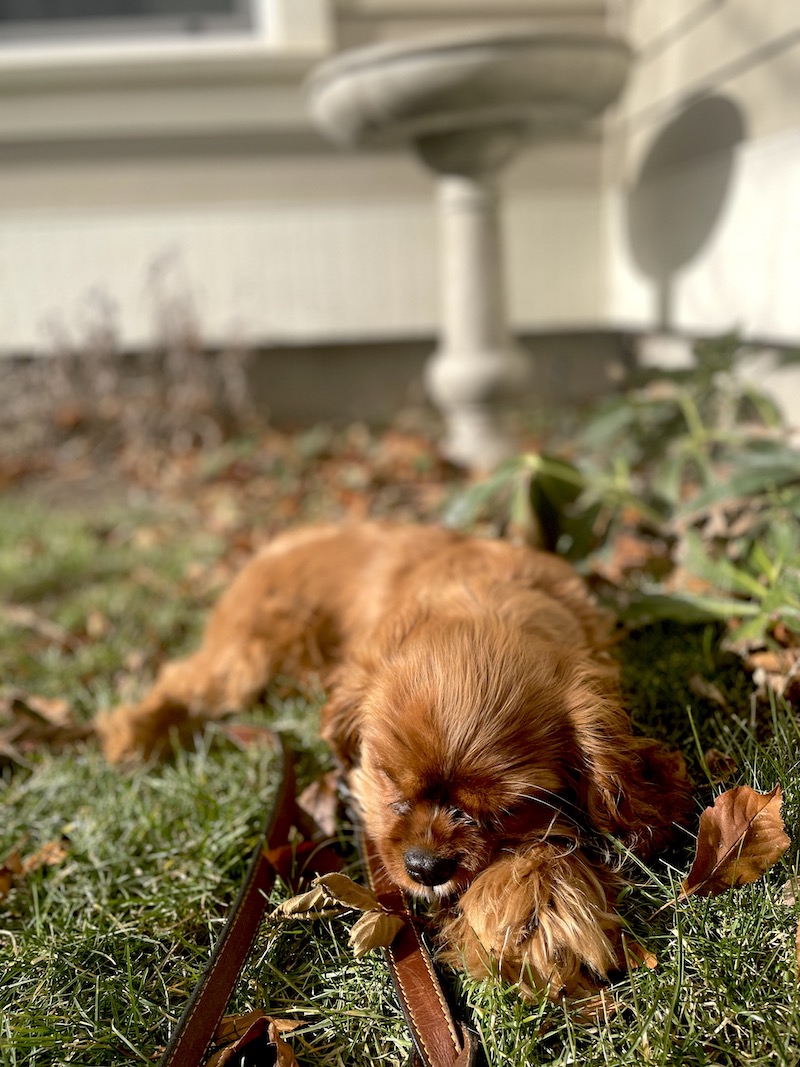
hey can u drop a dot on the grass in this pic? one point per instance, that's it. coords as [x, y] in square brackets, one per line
[100, 951]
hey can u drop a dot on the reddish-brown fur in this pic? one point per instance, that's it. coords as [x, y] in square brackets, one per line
[474, 706]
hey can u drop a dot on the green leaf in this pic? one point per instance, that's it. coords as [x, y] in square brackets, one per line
[721, 573]
[685, 608]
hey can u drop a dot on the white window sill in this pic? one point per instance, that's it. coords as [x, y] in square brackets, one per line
[39, 68]
[57, 93]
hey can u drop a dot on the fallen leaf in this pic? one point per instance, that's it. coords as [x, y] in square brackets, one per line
[776, 661]
[790, 892]
[309, 905]
[343, 890]
[97, 625]
[740, 837]
[720, 765]
[253, 1038]
[330, 894]
[49, 855]
[320, 801]
[375, 929]
[25, 617]
[592, 1005]
[9, 869]
[248, 735]
[50, 711]
[29, 722]
[707, 690]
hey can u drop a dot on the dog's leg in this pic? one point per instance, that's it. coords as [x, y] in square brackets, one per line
[541, 917]
[272, 618]
[186, 693]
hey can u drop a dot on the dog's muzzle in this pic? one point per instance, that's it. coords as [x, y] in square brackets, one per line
[427, 868]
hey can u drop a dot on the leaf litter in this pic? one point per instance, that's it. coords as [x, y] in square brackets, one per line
[740, 837]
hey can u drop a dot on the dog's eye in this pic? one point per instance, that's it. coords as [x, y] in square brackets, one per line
[400, 807]
[461, 816]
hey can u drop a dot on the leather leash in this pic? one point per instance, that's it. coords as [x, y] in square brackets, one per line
[438, 1039]
[206, 1007]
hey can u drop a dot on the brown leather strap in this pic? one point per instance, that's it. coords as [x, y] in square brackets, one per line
[439, 1040]
[207, 1004]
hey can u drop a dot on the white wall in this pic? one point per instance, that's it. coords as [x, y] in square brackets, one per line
[126, 182]
[130, 178]
[705, 214]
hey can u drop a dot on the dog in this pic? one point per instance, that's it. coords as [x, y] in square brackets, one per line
[474, 708]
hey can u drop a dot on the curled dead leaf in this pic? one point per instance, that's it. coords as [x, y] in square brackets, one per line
[306, 905]
[740, 837]
[343, 890]
[375, 929]
[253, 1038]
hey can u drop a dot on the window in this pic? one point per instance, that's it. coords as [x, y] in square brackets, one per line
[49, 19]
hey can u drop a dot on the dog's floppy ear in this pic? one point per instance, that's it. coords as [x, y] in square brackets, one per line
[342, 715]
[343, 712]
[633, 788]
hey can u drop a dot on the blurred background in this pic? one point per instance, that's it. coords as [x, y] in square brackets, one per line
[163, 189]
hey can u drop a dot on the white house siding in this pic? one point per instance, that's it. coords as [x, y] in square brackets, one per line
[716, 242]
[123, 183]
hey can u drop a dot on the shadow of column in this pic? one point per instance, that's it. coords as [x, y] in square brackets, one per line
[680, 191]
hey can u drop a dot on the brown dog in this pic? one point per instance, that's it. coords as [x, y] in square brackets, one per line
[475, 710]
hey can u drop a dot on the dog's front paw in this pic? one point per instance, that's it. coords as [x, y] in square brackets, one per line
[541, 918]
[126, 733]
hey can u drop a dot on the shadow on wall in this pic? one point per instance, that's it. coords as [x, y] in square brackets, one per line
[680, 191]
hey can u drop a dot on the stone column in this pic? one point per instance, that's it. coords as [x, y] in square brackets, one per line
[477, 367]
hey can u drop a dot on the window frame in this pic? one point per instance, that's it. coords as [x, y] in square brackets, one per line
[281, 35]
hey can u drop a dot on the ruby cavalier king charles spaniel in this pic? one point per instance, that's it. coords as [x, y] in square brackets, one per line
[474, 709]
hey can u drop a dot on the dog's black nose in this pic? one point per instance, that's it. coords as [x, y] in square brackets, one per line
[428, 868]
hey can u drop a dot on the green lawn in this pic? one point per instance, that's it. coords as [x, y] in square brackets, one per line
[100, 950]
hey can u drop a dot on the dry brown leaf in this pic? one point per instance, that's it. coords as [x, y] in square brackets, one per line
[320, 801]
[14, 866]
[29, 722]
[49, 855]
[375, 929]
[9, 869]
[343, 890]
[590, 1006]
[719, 765]
[740, 837]
[25, 617]
[248, 735]
[313, 904]
[330, 894]
[701, 687]
[790, 892]
[47, 711]
[253, 1033]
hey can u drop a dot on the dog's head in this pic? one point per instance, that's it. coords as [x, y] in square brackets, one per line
[465, 748]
